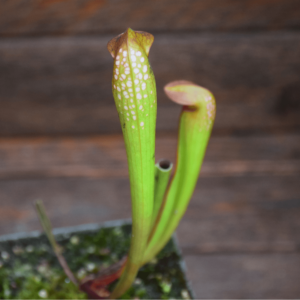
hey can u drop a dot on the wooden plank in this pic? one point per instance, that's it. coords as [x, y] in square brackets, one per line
[53, 17]
[62, 85]
[242, 214]
[245, 276]
[232, 210]
[104, 156]
[226, 215]
[67, 201]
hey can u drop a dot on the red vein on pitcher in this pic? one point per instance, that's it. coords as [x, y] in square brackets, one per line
[195, 125]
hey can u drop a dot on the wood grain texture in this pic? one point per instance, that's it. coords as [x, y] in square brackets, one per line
[53, 17]
[233, 209]
[226, 215]
[63, 85]
[105, 157]
[245, 276]
[242, 214]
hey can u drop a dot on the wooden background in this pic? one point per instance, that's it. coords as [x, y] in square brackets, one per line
[60, 136]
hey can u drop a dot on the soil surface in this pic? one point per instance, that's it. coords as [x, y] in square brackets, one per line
[30, 270]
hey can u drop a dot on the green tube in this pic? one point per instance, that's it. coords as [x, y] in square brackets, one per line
[196, 121]
[134, 91]
[163, 171]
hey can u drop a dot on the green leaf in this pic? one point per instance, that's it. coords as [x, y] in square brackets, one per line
[134, 91]
[196, 121]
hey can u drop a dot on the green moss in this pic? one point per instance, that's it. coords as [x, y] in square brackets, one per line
[30, 270]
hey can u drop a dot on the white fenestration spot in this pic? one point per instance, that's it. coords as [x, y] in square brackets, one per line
[139, 96]
[138, 53]
[136, 70]
[125, 107]
[124, 53]
[126, 96]
[142, 59]
[145, 76]
[127, 119]
[132, 51]
[123, 85]
[118, 88]
[133, 112]
[116, 77]
[117, 62]
[124, 76]
[137, 89]
[139, 65]
[127, 71]
[132, 126]
[143, 85]
[124, 59]
[117, 71]
[119, 96]
[133, 57]
[129, 83]
[139, 76]
[141, 107]
[118, 57]
[145, 69]
[130, 90]
[136, 81]
[133, 65]
[145, 96]
[142, 123]
[134, 117]
[43, 293]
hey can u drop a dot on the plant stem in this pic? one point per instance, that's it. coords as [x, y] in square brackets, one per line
[163, 171]
[56, 248]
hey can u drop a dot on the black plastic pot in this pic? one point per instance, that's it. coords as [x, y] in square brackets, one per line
[85, 248]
